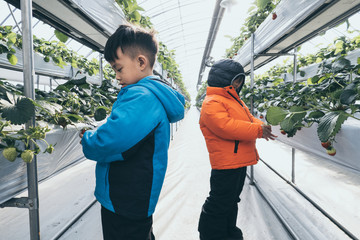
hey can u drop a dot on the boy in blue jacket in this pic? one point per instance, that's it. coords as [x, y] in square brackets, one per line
[131, 148]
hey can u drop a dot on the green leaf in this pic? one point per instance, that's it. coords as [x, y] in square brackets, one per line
[350, 94]
[74, 118]
[100, 113]
[12, 58]
[340, 64]
[262, 3]
[11, 37]
[316, 114]
[49, 107]
[136, 16]
[275, 115]
[61, 36]
[330, 125]
[314, 79]
[19, 113]
[339, 47]
[287, 124]
[298, 113]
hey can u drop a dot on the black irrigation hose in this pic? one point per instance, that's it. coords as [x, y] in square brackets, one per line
[277, 213]
[73, 221]
[347, 232]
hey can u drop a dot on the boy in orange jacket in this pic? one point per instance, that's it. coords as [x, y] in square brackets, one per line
[230, 132]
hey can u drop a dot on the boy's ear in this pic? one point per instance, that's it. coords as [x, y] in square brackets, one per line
[143, 61]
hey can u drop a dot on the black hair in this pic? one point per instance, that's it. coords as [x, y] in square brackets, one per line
[132, 41]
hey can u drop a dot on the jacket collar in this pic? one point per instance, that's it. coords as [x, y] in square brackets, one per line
[222, 91]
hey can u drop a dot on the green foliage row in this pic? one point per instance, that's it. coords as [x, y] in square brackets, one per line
[257, 14]
[328, 98]
[73, 102]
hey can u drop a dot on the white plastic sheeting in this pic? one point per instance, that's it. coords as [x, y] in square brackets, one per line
[61, 198]
[105, 13]
[289, 14]
[13, 178]
[346, 143]
[186, 187]
[312, 70]
[334, 187]
[273, 36]
[47, 68]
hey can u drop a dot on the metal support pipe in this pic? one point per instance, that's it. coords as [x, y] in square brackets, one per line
[37, 81]
[293, 149]
[282, 219]
[2, 23]
[51, 84]
[101, 74]
[12, 14]
[29, 74]
[251, 98]
[293, 165]
[74, 220]
[326, 214]
[214, 27]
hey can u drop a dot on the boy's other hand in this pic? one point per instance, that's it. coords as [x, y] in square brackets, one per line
[267, 132]
[81, 133]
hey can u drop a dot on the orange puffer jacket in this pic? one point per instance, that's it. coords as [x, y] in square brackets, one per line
[229, 129]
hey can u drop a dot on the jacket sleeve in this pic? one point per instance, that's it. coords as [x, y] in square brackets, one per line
[217, 119]
[132, 118]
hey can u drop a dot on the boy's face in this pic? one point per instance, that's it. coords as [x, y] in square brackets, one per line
[128, 70]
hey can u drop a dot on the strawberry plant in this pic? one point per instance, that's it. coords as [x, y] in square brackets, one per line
[329, 98]
[257, 14]
[7, 41]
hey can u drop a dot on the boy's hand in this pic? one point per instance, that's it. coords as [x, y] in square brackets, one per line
[81, 133]
[267, 132]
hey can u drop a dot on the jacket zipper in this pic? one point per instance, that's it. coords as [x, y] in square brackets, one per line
[241, 105]
[237, 141]
[236, 146]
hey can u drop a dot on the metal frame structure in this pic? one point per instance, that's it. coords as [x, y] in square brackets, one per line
[214, 27]
[327, 14]
[292, 182]
[32, 201]
[78, 25]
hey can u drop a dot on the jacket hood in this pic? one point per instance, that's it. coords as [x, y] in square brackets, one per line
[171, 99]
[223, 72]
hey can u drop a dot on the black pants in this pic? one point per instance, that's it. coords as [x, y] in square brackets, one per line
[219, 212]
[116, 227]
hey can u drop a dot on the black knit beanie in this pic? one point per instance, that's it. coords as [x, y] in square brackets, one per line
[223, 72]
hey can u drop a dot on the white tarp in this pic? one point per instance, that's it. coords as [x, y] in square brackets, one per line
[13, 178]
[105, 13]
[186, 187]
[312, 70]
[289, 14]
[347, 143]
[46, 68]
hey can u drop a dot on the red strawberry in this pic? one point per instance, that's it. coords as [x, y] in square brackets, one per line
[274, 15]
[283, 132]
[261, 116]
[326, 144]
[331, 151]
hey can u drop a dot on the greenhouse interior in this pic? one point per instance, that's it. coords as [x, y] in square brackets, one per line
[301, 61]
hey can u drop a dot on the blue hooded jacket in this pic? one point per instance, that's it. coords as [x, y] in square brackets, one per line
[131, 148]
